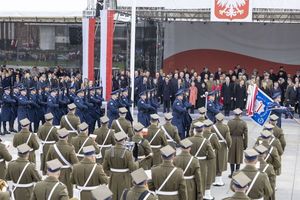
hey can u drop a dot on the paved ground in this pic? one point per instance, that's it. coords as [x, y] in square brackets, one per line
[288, 183]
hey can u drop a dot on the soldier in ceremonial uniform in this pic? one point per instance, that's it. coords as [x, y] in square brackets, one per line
[83, 140]
[5, 156]
[64, 152]
[119, 162]
[223, 134]
[144, 110]
[22, 173]
[140, 188]
[112, 107]
[81, 107]
[142, 151]
[191, 170]
[70, 121]
[211, 164]
[24, 136]
[7, 108]
[53, 106]
[122, 124]
[240, 184]
[260, 185]
[167, 180]
[268, 135]
[239, 135]
[277, 131]
[179, 113]
[202, 150]
[48, 135]
[102, 193]
[51, 187]
[170, 131]
[277, 109]
[201, 118]
[105, 137]
[212, 107]
[156, 138]
[87, 174]
[266, 168]
[23, 105]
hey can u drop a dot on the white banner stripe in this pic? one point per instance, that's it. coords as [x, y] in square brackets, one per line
[103, 49]
[85, 47]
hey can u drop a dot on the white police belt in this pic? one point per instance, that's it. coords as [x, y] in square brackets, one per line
[155, 146]
[1, 160]
[201, 158]
[23, 185]
[87, 188]
[104, 145]
[119, 170]
[189, 177]
[65, 167]
[166, 193]
[47, 142]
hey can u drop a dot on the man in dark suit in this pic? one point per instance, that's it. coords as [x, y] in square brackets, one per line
[166, 94]
[227, 95]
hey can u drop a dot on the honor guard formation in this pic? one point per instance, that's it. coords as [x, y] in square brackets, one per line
[89, 152]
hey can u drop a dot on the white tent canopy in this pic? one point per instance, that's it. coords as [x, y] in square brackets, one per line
[42, 8]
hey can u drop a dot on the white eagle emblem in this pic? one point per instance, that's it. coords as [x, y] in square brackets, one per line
[231, 7]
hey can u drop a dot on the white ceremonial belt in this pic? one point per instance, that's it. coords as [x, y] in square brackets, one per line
[222, 141]
[119, 170]
[1, 160]
[258, 199]
[80, 155]
[155, 146]
[141, 157]
[104, 145]
[189, 177]
[89, 188]
[47, 142]
[201, 158]
[166, 193]
[65, 167]
[98, 156]
[23, 185]
[171, 141]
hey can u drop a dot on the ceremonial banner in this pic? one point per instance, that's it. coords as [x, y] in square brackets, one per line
[257, 105]
[231, 10]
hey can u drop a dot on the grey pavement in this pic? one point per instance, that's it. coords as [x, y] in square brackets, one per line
[288, 183]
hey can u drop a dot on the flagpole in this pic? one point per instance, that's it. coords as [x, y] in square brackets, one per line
[132, 50]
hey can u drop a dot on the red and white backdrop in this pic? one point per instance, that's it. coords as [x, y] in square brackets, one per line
[250, 45]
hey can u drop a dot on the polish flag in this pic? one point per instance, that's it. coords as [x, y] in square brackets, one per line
[252, 92]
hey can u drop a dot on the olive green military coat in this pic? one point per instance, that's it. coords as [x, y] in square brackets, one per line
[173, 133]
[79, 142]
[144, 152]
[125, 124]
[135, 192]
[5, 155]
[74, 121]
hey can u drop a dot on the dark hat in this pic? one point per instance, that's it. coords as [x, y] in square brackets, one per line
[274, 117]
[79, 91]
[241, 180]
[32, 88]
[101, 192]
[98, 88]
[23, 148]
[62, 133]
[49, 116]
[251, 154]
[268, 126]
[167, 151]
[6, 88]
[202, 110]
[276, 95]
[198, 125]
[104, 119]
[114, 92]
[54, 90]
[89, 150]
[71, 106]
[54, 165]
[120, 136]
[138, 127]
[211, 93]
[123, 110]
[142, 93]
[154, 117]
[237, 111]
[25, 122]
[186, 143]
[83, 126]
[207, 123]
[139, 176]
[261, 149]
[265, 134]
[22, 89]
[124, 89]
[168, 116]
[72, 87]
[220, 116]
[179, 92]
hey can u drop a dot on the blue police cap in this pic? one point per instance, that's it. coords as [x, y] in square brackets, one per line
[7, 88]
[124, 89]
[114, 92]
[22, 88]
[54, 90]
[142, 93]
[98, 87]
[277, 94]
[32, 88]
[78, 91]
[179, 92]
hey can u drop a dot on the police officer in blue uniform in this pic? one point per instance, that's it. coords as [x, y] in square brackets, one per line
[33, 110]
[99, 98]
[92, 112]
[144, 110]
[187, 117]
[14, 113]
[179, 112]
[42, 102]
[53, 106]
[126, 102]
[7, 109]
[212, 107]
[277, 109]
[82, 108]
[23, 105]
[63, 100]
[72, 94]
[153, 101]
[113, 107]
